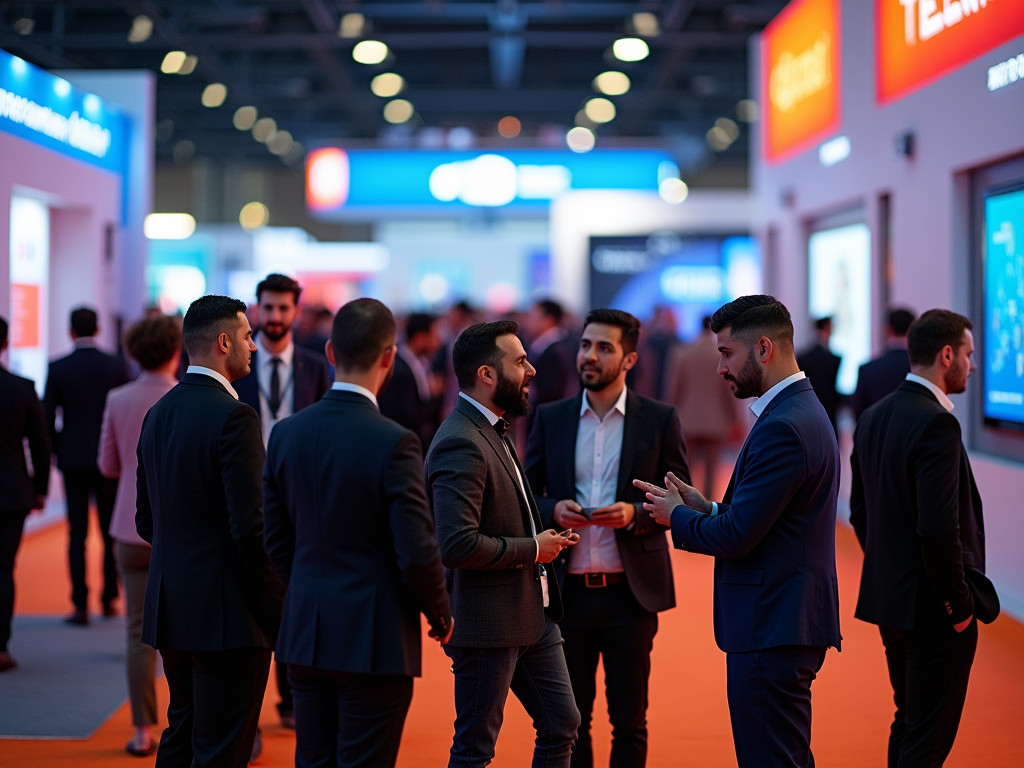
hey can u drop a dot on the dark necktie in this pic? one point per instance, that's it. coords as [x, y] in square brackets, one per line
[501, 427]
[275, 387]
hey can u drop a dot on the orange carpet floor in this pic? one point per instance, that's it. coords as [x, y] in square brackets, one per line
[689, 718]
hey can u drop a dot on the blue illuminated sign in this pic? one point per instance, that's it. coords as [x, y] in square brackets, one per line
[49, 111]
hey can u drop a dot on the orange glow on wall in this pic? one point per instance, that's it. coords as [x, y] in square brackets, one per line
[24, 316]
[918, 41]
[327, 178]
[800, 88]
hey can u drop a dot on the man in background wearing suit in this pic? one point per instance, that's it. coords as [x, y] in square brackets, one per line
[284, 379]
[78, 385]
[552, 352]
[878, 377]
[413, 398]
[494, 553]
[583, 452]
[23, 491]
[822, 369]
[772, 537]
[350, 532]
[213, 600]
[917, 513]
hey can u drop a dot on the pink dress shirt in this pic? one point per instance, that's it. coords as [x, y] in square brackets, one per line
[126, 407]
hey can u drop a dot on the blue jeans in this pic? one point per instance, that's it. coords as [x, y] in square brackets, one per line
[537, 675]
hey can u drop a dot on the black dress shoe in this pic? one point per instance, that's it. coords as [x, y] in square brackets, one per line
[6, 662]
[131, 749]
[79, 617]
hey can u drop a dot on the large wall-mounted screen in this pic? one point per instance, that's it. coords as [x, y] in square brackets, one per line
[1003, 331]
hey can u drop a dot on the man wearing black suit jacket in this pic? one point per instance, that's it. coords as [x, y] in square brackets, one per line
[583, 452]
[350, 531]
[822, 368]
[494, 553]
[78, 385]
[23, 491]
[917, 513]
[213, 600]
[553, 353]
[881, 376]
[412, 398]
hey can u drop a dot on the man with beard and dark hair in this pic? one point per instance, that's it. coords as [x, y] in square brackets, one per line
[350, 531]
[583, 451]
[213, 600]
[494, 550]
[917, 513]
[772, 537]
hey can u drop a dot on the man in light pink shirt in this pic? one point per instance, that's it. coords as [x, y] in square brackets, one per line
[155, 344]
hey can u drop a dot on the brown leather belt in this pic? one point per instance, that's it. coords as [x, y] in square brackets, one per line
[595, 580]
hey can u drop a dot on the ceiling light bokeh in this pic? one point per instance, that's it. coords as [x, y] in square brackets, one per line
[579, 139]
[509, 127]
[172, 62]
[142, 29]
[730, 128]
[646, 24]
[253, 216]
[280, 143]
[351, 25]
[398, 111]
[612, 83]
[718, 139]
[370, 52]
[245, 118]
[168, 226]
[748, 111]
[630, 49]
[214, 95]
[188, 66]
[673, 190]
[600, 110]
[387, 84]
[263, 129]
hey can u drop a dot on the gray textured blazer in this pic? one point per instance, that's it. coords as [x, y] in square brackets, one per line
[483, 527]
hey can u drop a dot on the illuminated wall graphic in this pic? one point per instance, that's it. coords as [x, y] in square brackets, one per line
[30, 273]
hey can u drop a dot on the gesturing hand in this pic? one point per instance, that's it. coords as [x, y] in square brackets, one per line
[661, 501]
[550, 544]
[691, 496]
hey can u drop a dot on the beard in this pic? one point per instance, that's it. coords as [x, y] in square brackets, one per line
[747, 383]
[602, 380]
[238, 363]
[275, 331]
[511, 396]
[956, 378]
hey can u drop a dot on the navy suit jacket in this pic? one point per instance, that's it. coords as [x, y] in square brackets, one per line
[878, 378]
[773, 538]
[310, 381]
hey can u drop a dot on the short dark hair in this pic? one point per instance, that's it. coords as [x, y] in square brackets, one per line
[84, 322]
[755, 316]
[900, 321]
[624, 321]
[932, 331]
[418, 322]
[153, 342]
[276, 283]
[205, 320]
[3, 331]
[476, 346]
[551, 309]
[362, 329]
[706, 322]
[821, 323]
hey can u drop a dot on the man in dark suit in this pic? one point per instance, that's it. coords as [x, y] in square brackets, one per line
[822, 369]
[494, 551]
[213, 600]
[77, 385]
[413, 397]
[583, 452]
[881, 376]
[350, 531]
[772, 536]
[552, 352]
[24, 491]
[284, 379]
[917, 513]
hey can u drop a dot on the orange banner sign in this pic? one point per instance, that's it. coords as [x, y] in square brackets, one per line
[24, 316]
[800, 89]
[918, 41]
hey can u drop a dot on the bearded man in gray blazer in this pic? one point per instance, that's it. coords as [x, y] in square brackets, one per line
[504, 599]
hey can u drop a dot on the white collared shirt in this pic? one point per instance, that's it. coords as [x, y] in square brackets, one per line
[419, 372]
[758, 406]
[941, 396]
[286, 373]
[213, 375]
[598, 454]
[344, 386]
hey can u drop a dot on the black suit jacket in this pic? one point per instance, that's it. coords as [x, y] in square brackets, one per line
[822, 369]
[652, 446]
[211, 584]
[309, 381]
[556, 373]
[878, 378]
[21, 417]
[401, 402]
[350, 531]
[483, 527]
[917, 512]
[78, 385]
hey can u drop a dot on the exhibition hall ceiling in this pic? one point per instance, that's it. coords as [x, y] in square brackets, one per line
[656, 73]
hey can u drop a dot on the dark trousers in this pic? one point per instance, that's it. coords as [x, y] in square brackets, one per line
[284, 688]
[79, 485]
[770, 705]
[537, 675]
[215, 707]
[929, 670]
[609, 623]
[348, 720]
[11, 525]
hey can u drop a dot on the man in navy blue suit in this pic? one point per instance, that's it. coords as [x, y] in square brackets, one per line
[772, 537]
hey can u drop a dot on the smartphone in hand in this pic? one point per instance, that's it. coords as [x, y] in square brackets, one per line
[588, 512]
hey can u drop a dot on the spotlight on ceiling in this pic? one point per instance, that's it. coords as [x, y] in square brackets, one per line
[172, 62]
[599, 110]
[630, 49]
[253, 216]
[579, 139]
[245, 118]
[398, 111]
[509, 127]
[263, 129]
[646, 24]
[352, 25]
[370, 52]
[387, 84]
[214, 95]
[612, 83]
[142, 28]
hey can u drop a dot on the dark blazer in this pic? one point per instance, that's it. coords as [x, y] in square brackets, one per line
[556, 372]
[774, 537]
[401, 402]
[917, 513]
[652, 446]
[483, 528]
[21, 417]
[878, 378]
[211, 584]
[350, 532]
[78, 385]
[309, 381]
[822, 369]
